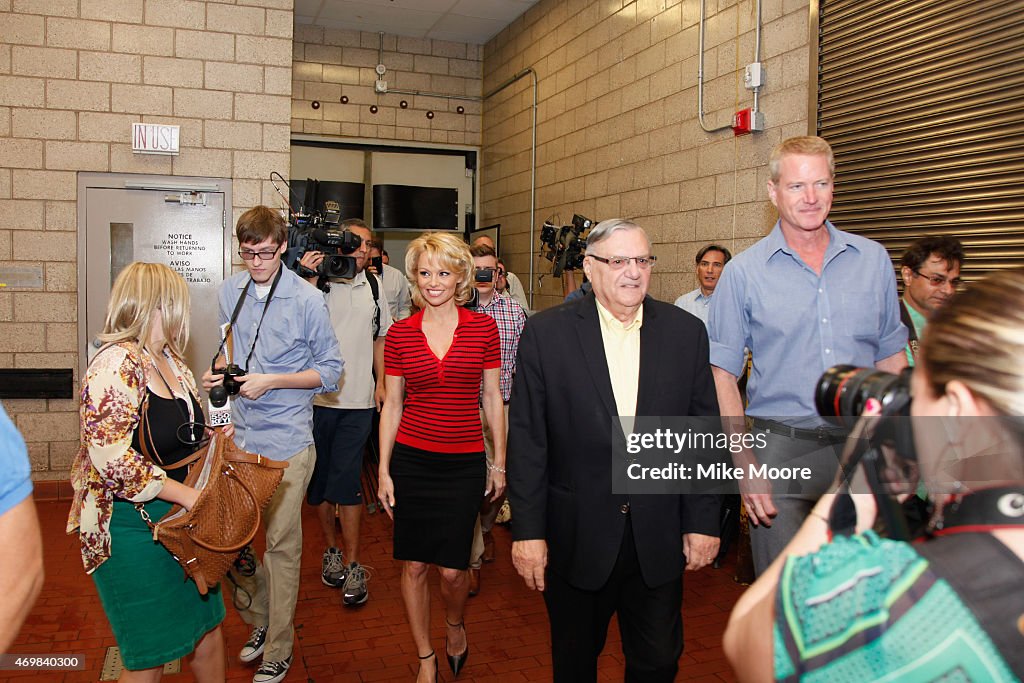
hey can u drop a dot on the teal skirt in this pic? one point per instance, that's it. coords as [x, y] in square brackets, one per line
[157, 615]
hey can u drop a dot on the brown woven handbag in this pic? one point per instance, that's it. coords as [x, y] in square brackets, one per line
[234, 489]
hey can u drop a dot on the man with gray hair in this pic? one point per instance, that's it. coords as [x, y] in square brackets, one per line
[803, 299]
[614, 352]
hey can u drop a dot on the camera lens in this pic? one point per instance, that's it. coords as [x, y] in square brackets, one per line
[340, 267]
[844, 389]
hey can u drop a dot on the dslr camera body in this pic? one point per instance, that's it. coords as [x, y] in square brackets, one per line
[886, 450]
[219, 394]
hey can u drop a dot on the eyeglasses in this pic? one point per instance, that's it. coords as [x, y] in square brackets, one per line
[265, 255]
[939, 280]
[620, 262]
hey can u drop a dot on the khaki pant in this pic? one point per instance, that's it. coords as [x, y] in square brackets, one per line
[275, 585]
[488, 510]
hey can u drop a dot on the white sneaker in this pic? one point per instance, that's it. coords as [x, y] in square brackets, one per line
[253, 647]
[272, 672]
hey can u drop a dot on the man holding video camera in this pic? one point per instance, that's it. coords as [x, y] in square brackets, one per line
[282, 341]
[342, 420]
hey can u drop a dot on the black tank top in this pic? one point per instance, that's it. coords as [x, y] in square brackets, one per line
[164, 421]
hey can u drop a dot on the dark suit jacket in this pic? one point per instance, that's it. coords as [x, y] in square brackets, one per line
[560, 441]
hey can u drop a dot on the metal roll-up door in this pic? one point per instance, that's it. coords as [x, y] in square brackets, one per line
[923, 103]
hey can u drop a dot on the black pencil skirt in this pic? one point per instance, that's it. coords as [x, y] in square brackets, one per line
[437, 498]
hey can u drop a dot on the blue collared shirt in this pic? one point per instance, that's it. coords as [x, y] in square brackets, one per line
[296, 335]
[15, 472]
[798, 324]
[696, 304]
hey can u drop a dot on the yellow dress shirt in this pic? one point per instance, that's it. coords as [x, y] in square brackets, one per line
[622, 351]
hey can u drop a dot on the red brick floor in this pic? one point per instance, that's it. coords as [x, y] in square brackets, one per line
[506, 623]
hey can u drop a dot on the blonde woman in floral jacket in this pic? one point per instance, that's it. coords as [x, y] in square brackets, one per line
[156, 616]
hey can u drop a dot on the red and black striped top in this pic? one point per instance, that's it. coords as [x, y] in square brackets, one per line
[441, 411]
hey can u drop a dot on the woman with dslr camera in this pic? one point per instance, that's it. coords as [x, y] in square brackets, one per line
[139, 406]
[862, 607]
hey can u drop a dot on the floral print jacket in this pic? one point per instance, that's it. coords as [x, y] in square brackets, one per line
[107, 467]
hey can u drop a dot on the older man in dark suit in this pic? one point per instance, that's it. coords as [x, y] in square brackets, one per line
[594, 553]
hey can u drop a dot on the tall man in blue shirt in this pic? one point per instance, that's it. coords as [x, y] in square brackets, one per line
[804, 298]
[284, 341]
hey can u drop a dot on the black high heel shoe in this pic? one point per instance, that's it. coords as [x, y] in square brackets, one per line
[425, 658]
[456, 662]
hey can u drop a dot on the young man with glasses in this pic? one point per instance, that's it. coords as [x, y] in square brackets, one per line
[614, 352]
[930, 268]
[512, 285]
[282, 338]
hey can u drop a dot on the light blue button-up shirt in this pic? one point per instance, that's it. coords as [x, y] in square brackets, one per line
[798, 324]
[696, 304]
[15, 472]
[296, 335]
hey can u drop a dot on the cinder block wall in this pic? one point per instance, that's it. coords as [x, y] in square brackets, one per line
[73, 75]
[618, 134]
[331, 64]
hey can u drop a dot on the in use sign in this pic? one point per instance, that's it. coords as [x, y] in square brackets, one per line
[155, 138]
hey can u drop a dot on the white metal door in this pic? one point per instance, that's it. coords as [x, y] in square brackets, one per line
[184, 228]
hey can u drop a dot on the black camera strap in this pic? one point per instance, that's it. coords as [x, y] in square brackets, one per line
[238, 309]
[998, 507]
[371, 280]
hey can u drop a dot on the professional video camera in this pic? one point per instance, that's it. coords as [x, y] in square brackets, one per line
[565, 245]
[312, 229]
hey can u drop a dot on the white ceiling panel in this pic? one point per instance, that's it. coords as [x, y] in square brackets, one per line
[460, 25]
[464, 21]
[501, 10]
[435, 6]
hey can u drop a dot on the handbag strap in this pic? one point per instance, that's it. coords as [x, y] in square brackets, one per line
[254, 459]
[146, 444]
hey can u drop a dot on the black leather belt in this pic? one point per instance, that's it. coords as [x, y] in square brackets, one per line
[822, 434]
